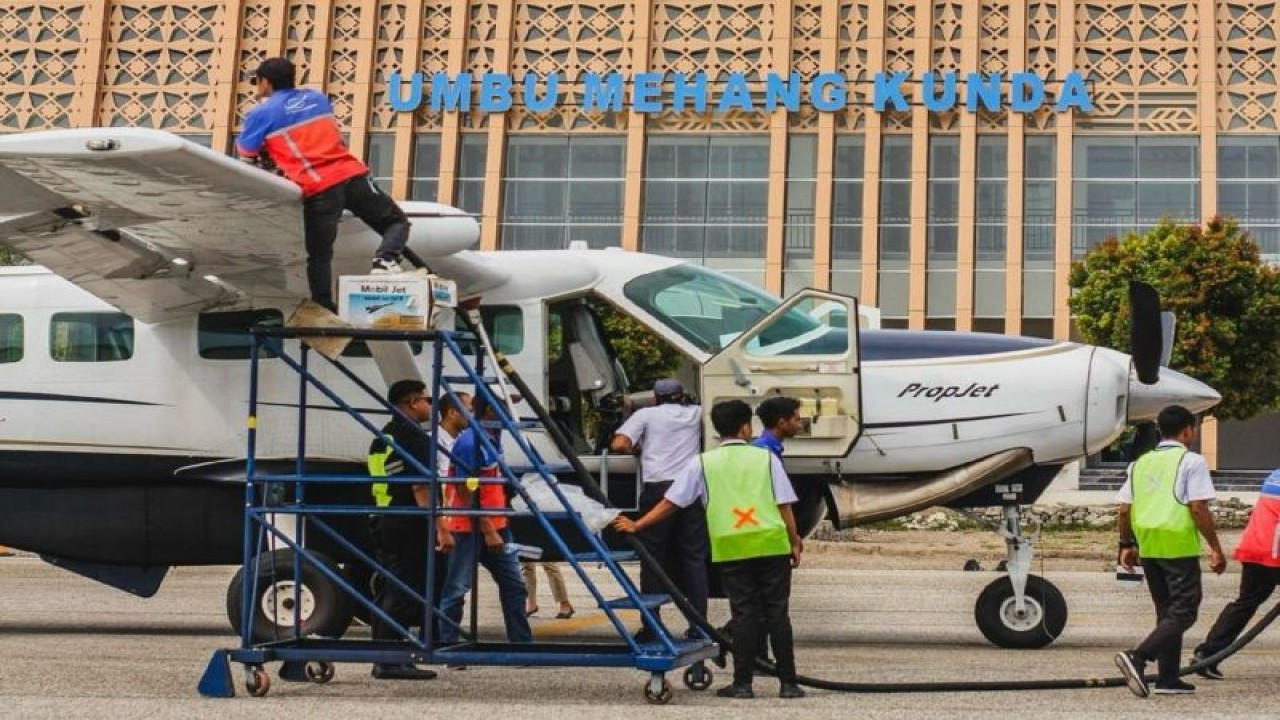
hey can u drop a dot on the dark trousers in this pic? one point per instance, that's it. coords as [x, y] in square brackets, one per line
[1175, 589]
[1257, 582]
[759, 593]
[323, 211]
[400, 546]
[680, 544]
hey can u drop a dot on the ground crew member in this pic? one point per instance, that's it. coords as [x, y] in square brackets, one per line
[667, 436]
[780, 416]
[472, 459]
[1259, 556]
[296, 129]
[400, 540]
[747, 498]
[1164, 503]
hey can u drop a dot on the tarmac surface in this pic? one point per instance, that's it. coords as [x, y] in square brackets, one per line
[72, 648]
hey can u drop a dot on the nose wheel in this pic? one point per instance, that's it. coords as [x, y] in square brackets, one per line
[1019, 610]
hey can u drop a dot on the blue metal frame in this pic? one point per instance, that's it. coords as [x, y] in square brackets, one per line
[263, 507]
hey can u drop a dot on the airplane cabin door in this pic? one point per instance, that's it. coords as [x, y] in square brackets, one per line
[806, 348]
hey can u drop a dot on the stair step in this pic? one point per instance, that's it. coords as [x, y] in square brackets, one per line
[616, 556]
[626, 603]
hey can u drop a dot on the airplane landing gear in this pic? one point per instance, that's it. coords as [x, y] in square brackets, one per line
[1019, 610]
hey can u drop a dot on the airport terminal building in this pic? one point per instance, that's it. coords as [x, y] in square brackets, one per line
[944, 160]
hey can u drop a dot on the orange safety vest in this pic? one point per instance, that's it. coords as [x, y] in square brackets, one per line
[1260, 543]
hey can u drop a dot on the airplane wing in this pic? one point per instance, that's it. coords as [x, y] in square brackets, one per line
[156, 225]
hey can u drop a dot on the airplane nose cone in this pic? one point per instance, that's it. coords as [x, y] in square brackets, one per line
[1173, 388]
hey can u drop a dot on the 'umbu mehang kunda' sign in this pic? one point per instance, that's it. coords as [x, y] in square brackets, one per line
[1021, 92]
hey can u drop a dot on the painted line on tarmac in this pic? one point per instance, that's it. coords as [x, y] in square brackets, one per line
[557, 628]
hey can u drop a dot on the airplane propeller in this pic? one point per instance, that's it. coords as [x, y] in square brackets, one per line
[1146, 332]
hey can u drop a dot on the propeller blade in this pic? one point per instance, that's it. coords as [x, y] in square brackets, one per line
[1145, 332]
[1168, 323]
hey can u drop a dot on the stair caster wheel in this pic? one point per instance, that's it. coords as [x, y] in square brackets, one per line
[256, 681]
[658, 690]
[698, 677]
[319, 672]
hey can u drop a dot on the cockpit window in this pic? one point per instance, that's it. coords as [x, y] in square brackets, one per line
[710, 310]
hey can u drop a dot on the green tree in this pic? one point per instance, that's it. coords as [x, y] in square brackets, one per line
[1227, 303]
[646, 356]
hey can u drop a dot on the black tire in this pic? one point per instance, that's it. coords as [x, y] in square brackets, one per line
[360, 576]
[1047, 618]
[327, 609]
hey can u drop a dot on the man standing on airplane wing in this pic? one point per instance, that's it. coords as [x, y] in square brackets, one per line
[296, 129]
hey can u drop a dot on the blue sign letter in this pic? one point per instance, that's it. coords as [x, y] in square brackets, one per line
[600, 95]
[395, 92]
[931, 100]
[646, 92]
[888, 88]
[735, 94]
[1074, 93]
[682, 90]
[985, 89]
[447, 95]
[549, 97]
[829, 101]
[1026, 92]
[789, 92]
[495, 92]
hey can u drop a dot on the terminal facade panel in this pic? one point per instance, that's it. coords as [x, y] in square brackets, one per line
[944, 218]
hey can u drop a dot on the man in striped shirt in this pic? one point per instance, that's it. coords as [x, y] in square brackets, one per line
[296, 129]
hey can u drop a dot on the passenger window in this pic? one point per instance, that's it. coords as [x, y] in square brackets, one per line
[91, 337]
[10, 338]
[225, 335]
[505, 326]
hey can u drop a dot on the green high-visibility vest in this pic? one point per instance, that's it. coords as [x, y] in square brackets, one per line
[377, 463]
[743, 519]
[1162, 525]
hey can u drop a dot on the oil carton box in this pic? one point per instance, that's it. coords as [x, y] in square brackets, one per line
[406, 301]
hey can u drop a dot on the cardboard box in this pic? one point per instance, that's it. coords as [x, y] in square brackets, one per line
[386, 302]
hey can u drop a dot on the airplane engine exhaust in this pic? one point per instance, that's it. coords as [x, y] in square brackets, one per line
[862, 503]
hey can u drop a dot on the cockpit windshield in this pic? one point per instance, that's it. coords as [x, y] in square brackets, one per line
[710, 309]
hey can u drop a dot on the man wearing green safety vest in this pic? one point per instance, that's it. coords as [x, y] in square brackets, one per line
[1164, 509]
[747, 497]
[400, 541]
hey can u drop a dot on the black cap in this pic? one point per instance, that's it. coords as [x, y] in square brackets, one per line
[277, 71]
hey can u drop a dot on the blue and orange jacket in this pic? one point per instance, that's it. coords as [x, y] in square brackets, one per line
[1260, 542]
[296, 128]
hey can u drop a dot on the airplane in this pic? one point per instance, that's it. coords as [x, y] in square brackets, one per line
[123, 371]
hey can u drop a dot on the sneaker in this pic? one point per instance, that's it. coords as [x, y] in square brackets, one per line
[738, 692]
[385, 266]
[1208, 672]
[1174, 688]
[1132, 668]
[790, 691]
[401, 672]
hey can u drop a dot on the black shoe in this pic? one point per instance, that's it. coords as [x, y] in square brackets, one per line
[1132, 668]
[1174, 688]
[790, 691]
[401, 672]
[738, 692]
[1208, 672]
[644, 635]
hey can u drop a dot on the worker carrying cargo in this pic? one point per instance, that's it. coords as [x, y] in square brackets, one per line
[747, 498]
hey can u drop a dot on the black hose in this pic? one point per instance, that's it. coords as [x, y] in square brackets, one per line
[592, 489]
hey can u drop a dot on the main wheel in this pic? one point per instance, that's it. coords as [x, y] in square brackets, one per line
[1041, 622]
[320, 606]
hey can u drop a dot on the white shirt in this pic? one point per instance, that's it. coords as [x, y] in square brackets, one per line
[690, 486]
[444, 441]
[1193, 482]
[669, 437]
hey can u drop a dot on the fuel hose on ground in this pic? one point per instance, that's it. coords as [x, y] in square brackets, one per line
[592, 489]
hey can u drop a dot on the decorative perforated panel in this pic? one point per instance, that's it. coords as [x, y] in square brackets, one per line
[40, 63]
[851, 50]
[1042, 54]
[158, 65]
[1248, 35]
[899, 52]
